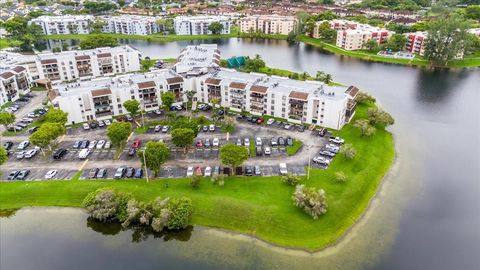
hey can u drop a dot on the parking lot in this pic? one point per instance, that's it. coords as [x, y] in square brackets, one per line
[197, 156]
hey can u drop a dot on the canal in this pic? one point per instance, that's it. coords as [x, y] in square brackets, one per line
[425, 215]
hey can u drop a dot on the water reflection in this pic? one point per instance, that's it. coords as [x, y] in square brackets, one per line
[435, 86]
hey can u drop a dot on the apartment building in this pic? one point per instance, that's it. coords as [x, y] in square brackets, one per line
[198, 25]
[195, 60]
[103, 98]
[66, 24]
[355, 39]
[335, 25]
[268, 24]
[131, 25]
[416, 42]
[13, 83]
[87, 64]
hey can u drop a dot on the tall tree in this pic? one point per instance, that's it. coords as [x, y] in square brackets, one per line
[156, 153]
[56, 116]
[132, 106]
[47, 133]
[3, 155]
[233, 155]
[19, 30]
[7, 119]
[98, 40]
[396, 42]
[96, 26]
[167, 99]
[215, 27]
[118, 133]
[447, 38]
[183, 137]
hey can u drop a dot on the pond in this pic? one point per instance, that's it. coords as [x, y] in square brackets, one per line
[425, 216]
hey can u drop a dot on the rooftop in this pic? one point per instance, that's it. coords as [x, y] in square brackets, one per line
[198, 57]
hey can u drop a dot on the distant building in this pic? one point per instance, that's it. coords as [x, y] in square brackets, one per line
[198, 25]
[131, 25]
[66, 24]
[268, 24]
[355, 38]
[416, 42]
[13, 83]
[335, 25]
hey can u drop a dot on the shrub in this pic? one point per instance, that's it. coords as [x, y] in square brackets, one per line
[378, 116]
[364, 98]
[102, 205]
[348, 151]
[341, 177]
[218, 179]
[365, 128]
[311, 201]
[195, 181]
[181, 210]
[291, 179]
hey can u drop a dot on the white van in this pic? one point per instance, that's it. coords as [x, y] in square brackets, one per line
[84, 153]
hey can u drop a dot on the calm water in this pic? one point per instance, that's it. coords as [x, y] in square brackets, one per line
[425, 216]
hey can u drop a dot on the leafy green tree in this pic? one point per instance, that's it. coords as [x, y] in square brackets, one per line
[56, 116]
[215, 27]
[291, 179]
[446, 39]
[156, 153]
[396, 42]
[364, 98]
[19, 30]
[378, 116]
[167, 99]
[7, 119]
[47, 133]
[292, 38]
[132, 106]
[327, 15]
[348, 151]
[370, 45]
[183, 137]
[365, 128]
[254, 64]
[233, 155]
[99, 6]
[181, 209]
[473, 12]
[3, 155]
[326, 33]
[166, 25]
[311, 201]
[118, 133]
[96, 26]
[341, 177]
[98, 40]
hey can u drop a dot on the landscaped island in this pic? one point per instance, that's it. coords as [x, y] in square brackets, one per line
[257, 206]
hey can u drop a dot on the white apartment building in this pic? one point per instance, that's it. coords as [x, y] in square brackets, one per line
[198, 25]
[13, 83]
[268, 24]
[87, 64]
[355, 39]
[195, 60]
[131, 25]
[66, 24]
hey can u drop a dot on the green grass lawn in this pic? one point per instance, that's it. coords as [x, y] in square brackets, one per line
[292, 150]
[259, 206]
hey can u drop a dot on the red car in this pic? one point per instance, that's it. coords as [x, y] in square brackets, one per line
[260, 120]
[199, 143]
[198, 171]
[136, 144]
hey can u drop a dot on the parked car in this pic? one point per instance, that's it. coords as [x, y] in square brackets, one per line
[30, 153]
[157, 128]
[332, 148]
[101, 123]
[32, 130]
[239, 142]
[23, 145]
[92, 144]
[92, 174]
[100, 144]
[301, 128]
[20, 154]
[84, 144]
[23, 175]
[258, 171]
[270, 121]
[221, 112]
[129, 118]
[107, 122]
[246, 142]
[102, 173]
[120, 172]
[8, 145]
[76, 144]
[321, 160]
[336, 140]
[158, 112]
[136, 143]
[59, 153]
[84, 153]
[207, 142]
[274, 141]
[205, 128]
[216, 170]
[259, 150]
[287, 126]
[208, 171]
[326, 153]
[211, 128]
[93, 125]
[50, 174]
[108, 144]
[248, 171]
[130, 171]
[281, 141]
[260, 120]
[86, 126]
[258, 141]
[132, 152]
[165, 129]
[138, 173]
[215, 142]
[289, 141]
[283, 168]
[190, 171]
[12, 175]
[199, 144]
[322, 132]
[267, 150]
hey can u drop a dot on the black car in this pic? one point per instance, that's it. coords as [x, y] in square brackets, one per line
[59, 153]
[281, 141]
[13, 175]
[130, 172]
[23, 175]
[322, 132]
[32, 130]
[259, 150]
[93, 125]
[132, 152]
[221, 112]
[301, 128]
[93, 173]
[248, 171]
[8, 145]
[289, 141]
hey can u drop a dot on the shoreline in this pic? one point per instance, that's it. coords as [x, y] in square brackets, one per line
[469, 62]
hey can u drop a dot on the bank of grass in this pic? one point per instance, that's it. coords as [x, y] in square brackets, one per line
[6, 43]
[293, 149]
[258, 206]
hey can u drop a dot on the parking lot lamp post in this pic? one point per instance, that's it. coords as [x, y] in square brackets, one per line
[309, 161]
[145, 165]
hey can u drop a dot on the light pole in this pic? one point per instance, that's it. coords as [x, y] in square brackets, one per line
[309, 161]
[143, 108]
[145, 165]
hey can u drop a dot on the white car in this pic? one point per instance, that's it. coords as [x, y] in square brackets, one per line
[201, 106]
[20, 154]
[92, 144]
[270, 121]
[108, 144]
[100, 144]
[267, 150]
[211, 128]
[336, 140]
[84, 153]
[190, 171]
[283, 168]
[332, 148]
[321, 160]
[287, 126]
[246, 142]
[30, 153]
[86, 126]
[50, 174]
[258, 141]
[215, 142]
[158, 112]
[23, 145]
[107, 122]
[101, 123]
[208, 171]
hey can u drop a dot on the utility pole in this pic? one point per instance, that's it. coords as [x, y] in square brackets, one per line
[145, 165]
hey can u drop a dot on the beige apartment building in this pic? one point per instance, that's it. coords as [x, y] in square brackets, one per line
[268, 24]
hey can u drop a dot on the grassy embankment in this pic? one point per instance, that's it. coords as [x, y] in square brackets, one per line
[258, 206]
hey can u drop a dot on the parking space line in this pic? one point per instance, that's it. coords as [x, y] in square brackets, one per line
[83, 165]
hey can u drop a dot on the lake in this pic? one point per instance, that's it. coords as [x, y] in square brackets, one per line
[425, 215]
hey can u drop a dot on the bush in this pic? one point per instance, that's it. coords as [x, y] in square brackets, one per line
[341, 177]
[348, 151]
[364, 98]
[181, 210]
[291, 179]
[311, 201]
[102, 205]
[195, 181]
[218, 179]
